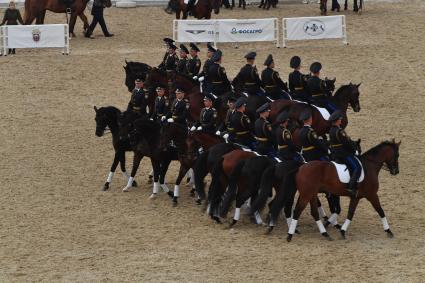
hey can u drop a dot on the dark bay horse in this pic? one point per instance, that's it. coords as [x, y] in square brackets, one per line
[188, 147]
[107, 118]
[321, 176]
[345, 96]
[201, 10]
[36, 10]
[356, 7]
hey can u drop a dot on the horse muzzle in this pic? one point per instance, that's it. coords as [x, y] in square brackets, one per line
[216, 11]
[356, 108]
[99, 132]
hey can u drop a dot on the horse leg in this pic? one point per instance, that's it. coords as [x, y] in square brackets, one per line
[335, 208]
[85, 21]
[112, 171]
[72, 21]
[164, 168]
[124, 170]
[233, 4]
[261, 4]
[40, 18]
[355, 7]
[374, 200]
[182, 171]
[351, 209]
[136, 162]
[156, 165]
[178, 13]
[345, 5]
[240, 4]
[299, 207]
[322, 212]
[315, 214]
[243, 4]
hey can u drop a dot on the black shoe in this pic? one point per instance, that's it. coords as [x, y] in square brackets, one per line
[13, 51]
[88, 35]
[109, 35]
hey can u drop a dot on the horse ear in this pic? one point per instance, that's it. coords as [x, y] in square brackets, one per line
[398, 144]
[95, 108]
[359, 85]
[126, 62]
[334, 80]
[359, 141]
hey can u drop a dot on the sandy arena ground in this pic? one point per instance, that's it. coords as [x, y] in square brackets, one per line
[57, 225]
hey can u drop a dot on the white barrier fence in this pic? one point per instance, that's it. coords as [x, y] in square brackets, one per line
[226, 30]
[35, 36]
[312, 28]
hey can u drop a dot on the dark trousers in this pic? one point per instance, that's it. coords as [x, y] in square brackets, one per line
[97, 13]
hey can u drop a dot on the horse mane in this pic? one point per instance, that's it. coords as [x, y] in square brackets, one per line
[341, 89]
[138, 66]
[109, 109]
[147, 126]
[376, 149]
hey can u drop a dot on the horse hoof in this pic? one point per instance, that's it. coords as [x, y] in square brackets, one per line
[198, 202]
[389, 233]
[343, 234]
[192, 193]
[105, 187]
[233, 223]
[269, 230]
[289, 238]
[153, 196]
[326, 235]
[174, 201]
[338, 227]
[297, 232]
[327, 224]
[216, 219]
[126, 189]
[171, 195]
[134, 184]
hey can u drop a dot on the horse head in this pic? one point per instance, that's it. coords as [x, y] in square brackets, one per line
[349, 95]
[386, 153]
[106, 117]
[133, 71]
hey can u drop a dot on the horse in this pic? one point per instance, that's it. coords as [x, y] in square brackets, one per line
[320, 176]
[36, 10]
[133, 71]
[188, 147]
[107, 118]
[346, 95]
[244, 182]
[356, 8]
[201, 10]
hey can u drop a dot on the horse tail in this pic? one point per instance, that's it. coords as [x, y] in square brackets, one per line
[230, 195]
[200, 170]
[214, 196]
[286, 191]
[266, 186]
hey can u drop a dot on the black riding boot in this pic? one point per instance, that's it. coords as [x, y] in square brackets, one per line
[335, 6]
[352, 185]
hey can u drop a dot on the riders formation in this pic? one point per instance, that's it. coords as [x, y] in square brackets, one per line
[261, 138]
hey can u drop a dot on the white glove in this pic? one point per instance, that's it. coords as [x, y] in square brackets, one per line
[170, 120]
[218, 133]
[163, 118]
[195, 78]
[193, 128]
[199, 128]
[151, 119]
[201, 79]
[226, 136]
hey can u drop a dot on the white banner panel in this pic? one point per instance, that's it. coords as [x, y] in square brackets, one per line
[247, 30]
[194, 30]
[314, 28]
[36, 36]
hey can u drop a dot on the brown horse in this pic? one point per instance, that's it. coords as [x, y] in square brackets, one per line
[321, 176]
[36, 10]
[202, 9]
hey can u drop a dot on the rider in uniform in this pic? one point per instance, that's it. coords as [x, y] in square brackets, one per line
[273, 85]
[313, 148]
[242, 125]
[170, 60]
[297, 81]
[205, 68]
[285, 145]
[167, 42]
[208, 116]
[263, 131]
[248, 76]
[193, 64]
[162, 105]
[316, 87]
[217, 75]
[137, 106]
[343, 150]
[180, 108]
[225, 126]
[182, 63]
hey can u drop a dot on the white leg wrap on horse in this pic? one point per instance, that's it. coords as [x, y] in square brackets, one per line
[109, 179]
[258, 218]
[125, 174]
[129, 183]
[208, 209]
[333, 219]
[151, 173]
[288, 221]
[320, 226]
[385, 223]
[176, 191]
[155, 187]
[322, 212]
[293, 226]
[346, 224]
[165, 188]
[237, 214]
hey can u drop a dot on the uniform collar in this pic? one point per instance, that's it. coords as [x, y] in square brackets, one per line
[309, 126]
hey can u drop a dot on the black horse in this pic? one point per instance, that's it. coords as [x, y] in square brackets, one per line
[107, 118]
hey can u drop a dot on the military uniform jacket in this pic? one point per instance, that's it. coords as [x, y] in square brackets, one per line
[169, 63]
[311, 144]
[315, 86]
[138, 101]
[182, 66]
[208, 119]
[161, 108]
[297, 81]
[263, 130]
[341, 144]
[217, 75]
[179, 111]
[205, 69]
[272, 81]
[240, 123]
[248, 75]
[285, 145]
[193, 66]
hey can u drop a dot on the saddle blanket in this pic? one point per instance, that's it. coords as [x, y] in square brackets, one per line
[323, 111]
[187, 2]
[344, 174]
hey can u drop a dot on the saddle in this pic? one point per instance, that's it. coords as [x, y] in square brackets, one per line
[323, 111]
[344, 174]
